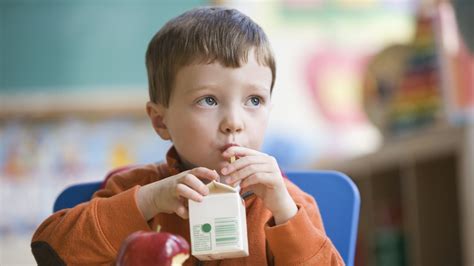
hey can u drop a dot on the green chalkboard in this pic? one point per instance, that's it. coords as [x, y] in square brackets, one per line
[61, 45]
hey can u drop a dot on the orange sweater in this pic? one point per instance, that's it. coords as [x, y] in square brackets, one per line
[92, 232]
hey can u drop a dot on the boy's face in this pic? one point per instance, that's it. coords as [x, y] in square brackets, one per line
[213, 107]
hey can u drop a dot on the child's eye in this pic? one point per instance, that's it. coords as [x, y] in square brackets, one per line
[207, 101]
[254, 101]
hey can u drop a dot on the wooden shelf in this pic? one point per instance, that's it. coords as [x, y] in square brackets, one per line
[82, 104]
[429, 175]
[424, 144]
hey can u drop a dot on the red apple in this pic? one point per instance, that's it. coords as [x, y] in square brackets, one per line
[153, 248]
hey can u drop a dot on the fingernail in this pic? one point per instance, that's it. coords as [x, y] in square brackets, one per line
[224, 170]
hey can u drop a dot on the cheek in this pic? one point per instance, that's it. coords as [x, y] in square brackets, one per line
[258, 130]
[188, 127]
[199, 124]
[181, 120]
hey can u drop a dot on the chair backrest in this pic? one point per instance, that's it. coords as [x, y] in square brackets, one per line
[338, 200]
[337, 197]
[75, 194]
[82, 192]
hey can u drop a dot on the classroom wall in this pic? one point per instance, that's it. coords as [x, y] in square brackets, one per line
[59, 46]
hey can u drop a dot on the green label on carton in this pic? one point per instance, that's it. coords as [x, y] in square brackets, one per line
[202, 237]
[227, 232]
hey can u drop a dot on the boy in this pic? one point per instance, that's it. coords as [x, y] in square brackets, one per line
[211, 72]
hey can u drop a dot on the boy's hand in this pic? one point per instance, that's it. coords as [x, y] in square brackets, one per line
[170, 195]
[260, 173]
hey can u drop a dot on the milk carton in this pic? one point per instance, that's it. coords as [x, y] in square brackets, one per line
[218, 226]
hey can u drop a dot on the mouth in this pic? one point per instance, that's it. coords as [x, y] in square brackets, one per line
[225, 147]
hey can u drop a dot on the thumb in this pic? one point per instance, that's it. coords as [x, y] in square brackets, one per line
[182, 212]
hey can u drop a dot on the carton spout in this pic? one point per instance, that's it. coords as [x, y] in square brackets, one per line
[216, 187]
[223, 180]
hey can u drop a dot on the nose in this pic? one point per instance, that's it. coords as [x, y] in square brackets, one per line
[232, 121]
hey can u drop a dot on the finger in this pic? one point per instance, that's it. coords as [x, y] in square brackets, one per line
[203, 172]
[249, 170]
[184, 191]
[239, 151]
[182, 212]
[267, 179]
[194, 183]
[249, 160]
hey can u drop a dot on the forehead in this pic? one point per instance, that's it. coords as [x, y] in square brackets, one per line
[250, 74]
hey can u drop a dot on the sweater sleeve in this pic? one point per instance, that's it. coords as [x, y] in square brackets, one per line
[91, 232]
[302, 240]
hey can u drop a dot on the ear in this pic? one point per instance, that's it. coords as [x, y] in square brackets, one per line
[156, 113]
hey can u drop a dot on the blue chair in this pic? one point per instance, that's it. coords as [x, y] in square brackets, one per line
[75, 194]
[339, 203]
[337, 197]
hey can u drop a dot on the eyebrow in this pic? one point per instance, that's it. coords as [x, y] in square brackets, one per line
[260, 88]
[199, 88]
[210, 87]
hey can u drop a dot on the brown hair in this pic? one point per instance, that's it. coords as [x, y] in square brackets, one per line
[203, 35]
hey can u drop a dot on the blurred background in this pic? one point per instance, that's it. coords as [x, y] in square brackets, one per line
[382, 90]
